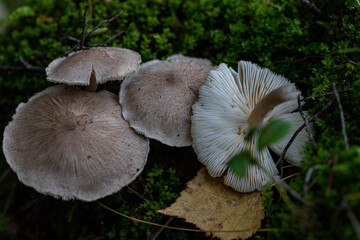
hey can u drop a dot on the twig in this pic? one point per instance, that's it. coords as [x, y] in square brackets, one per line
[296, 60]
[283, 184]
[311, 5]
[342, 119]
[25, 66]
[72, 49]
[73, 39]
[308, 178]
[137, 194]
[351, 215]
[308, 130]
[290, 176]
[281, 159]
[10, 196]
[102, 22]
[28, 66]
[188, 229]
[4, 174]
[321, 95]
[352, 62]
[287, 177]
[84, 27]
[80, 44]
[106, 42]
[162, 229]
[291, 191]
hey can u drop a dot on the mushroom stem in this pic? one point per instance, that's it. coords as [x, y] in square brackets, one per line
[93, 84]
[271, 100]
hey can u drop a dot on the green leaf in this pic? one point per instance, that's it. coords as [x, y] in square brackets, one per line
[98, 31]
[273, 132]
[252, 132]
[240, 162]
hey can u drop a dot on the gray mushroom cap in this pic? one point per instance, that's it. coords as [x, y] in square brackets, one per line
[103, 63]
[73, 144]
[157, 99]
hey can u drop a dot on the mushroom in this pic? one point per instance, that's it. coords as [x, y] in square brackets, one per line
[229, 104]
[71, 143]
[93, 66]
[157, 99]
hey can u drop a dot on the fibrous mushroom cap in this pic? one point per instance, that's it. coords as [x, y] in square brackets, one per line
[220, 122]
[157, 99]
[109, 63]
[73, 144]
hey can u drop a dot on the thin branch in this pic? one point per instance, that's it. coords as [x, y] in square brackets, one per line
[352, 217]
[28, 66]
[308, 130]
[10, 196]
[352, 62]
[162, 229]
[283, 184]
[25, 66]
[188, 229]
[137, 194]
[308, 178]
[5, 174]
[342, 119]
[296, 60]
[316, 96]
[113, 37]
[311, 5]
[73, 39]
[84, 27]
[290, 176]
[321, 95]
[104, 44]
[281, 159]
[102, 22]
[80, 44]
[72, 49]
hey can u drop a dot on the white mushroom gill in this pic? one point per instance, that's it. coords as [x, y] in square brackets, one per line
[228, 104]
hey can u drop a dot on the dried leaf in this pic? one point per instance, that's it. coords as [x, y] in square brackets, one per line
[218, 209]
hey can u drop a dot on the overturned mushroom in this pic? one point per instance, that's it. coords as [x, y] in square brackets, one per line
[157, 99]
[73, 144]
[229, 104]
[93, 66]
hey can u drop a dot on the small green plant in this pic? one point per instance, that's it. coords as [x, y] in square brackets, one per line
[272, 132]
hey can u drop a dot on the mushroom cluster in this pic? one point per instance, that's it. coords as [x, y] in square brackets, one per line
[71, 143]
[229, 104]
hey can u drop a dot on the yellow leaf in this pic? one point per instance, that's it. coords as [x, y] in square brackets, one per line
[218, 209]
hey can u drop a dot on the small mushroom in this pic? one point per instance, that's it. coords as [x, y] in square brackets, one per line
[93, 66]
[229, 104]
[157, 99]
[73, 144]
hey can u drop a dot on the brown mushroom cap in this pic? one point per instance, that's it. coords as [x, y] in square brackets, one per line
[157, 100]
[73, 144]
[105, 64]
